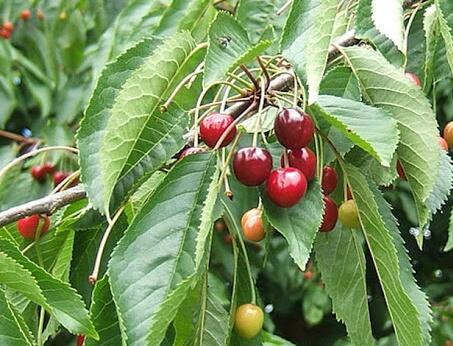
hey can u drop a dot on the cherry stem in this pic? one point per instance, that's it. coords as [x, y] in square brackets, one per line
[233, 124]
[259, 115]
[318, 155]
[239, 79]
[186, 80]
[41, 223]
[97, 264]
[266, 74]
[33, 153]
[251, 77]
[226, 162]
[285, 159]
[295, 91]
[17, 138]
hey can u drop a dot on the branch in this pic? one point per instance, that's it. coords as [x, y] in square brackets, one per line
[50, 204]
[46, 205]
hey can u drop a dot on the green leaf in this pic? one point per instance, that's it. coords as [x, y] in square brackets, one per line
[298, 232]
[341, 82]
[449, 244]
[386, 87]
[443, 185]
[55, 296]
[365, 29]
[341, 261]
[157, 260]
[146, 190]
[444, 14]
[229, 46]
[256, 15]
[103, 314]
[306, 39]
[403, 312]
[418, 297]
[274, 340]
[13, 330]
[388, 18]
[93, 125]
[377, 133]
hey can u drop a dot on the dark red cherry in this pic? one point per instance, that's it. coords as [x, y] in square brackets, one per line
[400, 170]
[38, 173]
[304, 160]
[212, 128]
[294, 129]
[191, 151]
[286, 186]
[28, 226]
[48, 168]
[330, 215]
[59, 176]
[80, 339]
[329, 179]
[252, 166]
[413, 78]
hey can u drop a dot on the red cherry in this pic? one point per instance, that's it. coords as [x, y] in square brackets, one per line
[28, 225]
[220, 226]
[253, 225]
[329, 179]
[294, 129]
[308, 275]
[5, 33]
[400, 170]
[304, 160]
[8, 26]
[191, 151]
[413, 78]
[38, 173]
[48, 167]
[59, 176]
[286, 186]
[80, 339]
[213, 126]
[25, 15]
[252, 166]
[330, 215]
[228, 239]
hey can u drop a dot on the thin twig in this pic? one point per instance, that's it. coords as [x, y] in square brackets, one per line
[17, 138]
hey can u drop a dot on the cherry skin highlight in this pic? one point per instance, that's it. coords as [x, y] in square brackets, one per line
[212, 128]
[248, 320]
[286, 186]
[330, 215]
[252, 225]
[252, 166]
[304, 160]
[28, 225]
[329, 179]
[294, 129]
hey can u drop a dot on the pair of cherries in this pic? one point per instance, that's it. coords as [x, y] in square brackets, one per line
[253, 165]
[329, 184]
[39, 173]
[28, 226]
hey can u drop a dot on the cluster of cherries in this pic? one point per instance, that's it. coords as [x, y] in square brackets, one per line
[39, 173]
[7, 29]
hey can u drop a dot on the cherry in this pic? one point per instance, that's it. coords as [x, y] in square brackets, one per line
[248, 320]
[191, 151]
[38, 173]
[48, 167]
[330, 215]
[220, 226]
[349, 214]
[448, 134]
[252, 225]
[228, 239]
[28, 225]
[252, 166]
[286, 186]
[80, 339]
[5, 33]
[400, 170]
[308, 275]
[304, 160]
[329, 179]
[413, 78]
[8, 26]
[443, 143]
[212, 128]
[294, 129]
[25, 15]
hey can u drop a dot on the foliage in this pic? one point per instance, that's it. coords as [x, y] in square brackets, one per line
[141, 259]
